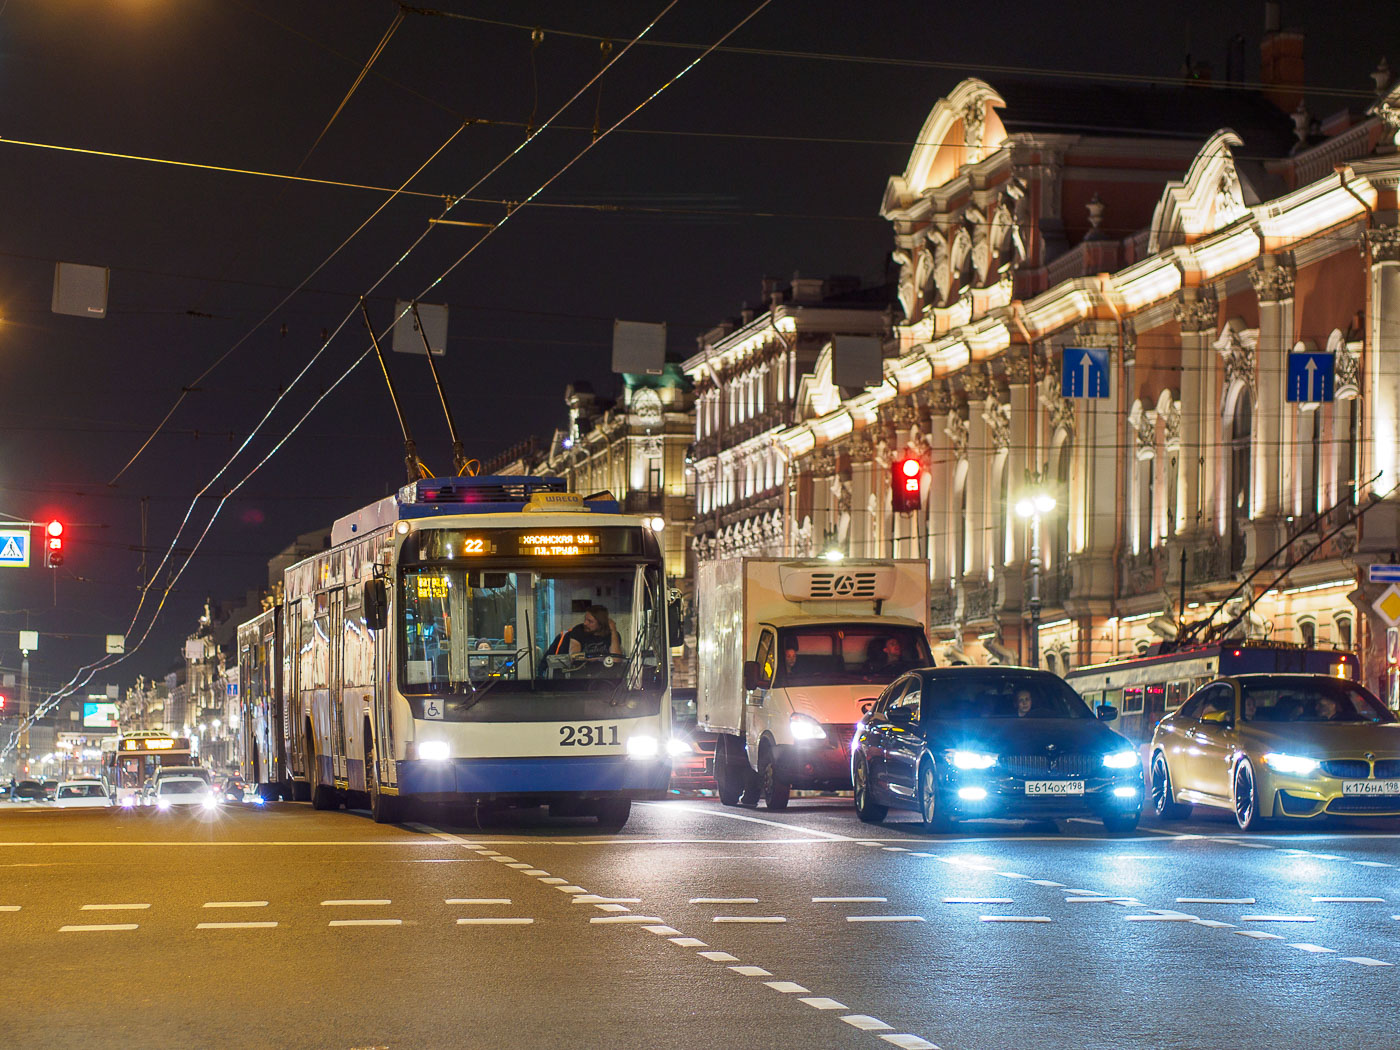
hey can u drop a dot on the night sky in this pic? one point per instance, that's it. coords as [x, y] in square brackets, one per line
[202, 261]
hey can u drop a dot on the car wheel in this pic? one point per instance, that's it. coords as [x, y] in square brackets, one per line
[934, 817]
[729, 770]
[1164, 802]
[774, 790]
[867, 809]
[1120, 823]
[1246, 798]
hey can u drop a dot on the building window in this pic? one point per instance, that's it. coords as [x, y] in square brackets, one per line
[1343, 632]
[1307, 633]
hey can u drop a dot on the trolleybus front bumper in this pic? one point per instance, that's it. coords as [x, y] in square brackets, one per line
[482, 778]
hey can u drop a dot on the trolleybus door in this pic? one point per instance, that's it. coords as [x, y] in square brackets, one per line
[337, 683]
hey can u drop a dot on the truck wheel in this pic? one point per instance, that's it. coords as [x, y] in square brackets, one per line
[729, 780]
[773, 788]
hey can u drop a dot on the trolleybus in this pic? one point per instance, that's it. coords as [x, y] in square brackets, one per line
[433, 654]
[262, 727]
[130, 760]
[1147, 688]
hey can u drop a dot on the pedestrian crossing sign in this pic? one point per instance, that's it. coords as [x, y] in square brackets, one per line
[14, 548]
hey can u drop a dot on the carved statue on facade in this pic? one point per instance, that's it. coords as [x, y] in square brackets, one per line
[1272, 284]
[1144, 424]
[906, 291]
[940, 274]
[974, 117]
[1200, 314]
[1347, 367]
[956, 428]
[1236, 345]
[997, 415]
[1061, 408]
[1170, 413]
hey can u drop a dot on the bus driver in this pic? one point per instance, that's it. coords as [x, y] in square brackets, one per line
[596, 636]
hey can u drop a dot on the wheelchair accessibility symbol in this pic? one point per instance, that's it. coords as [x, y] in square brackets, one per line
[433, 709]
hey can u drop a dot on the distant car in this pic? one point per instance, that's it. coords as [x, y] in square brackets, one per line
[963, 743]
[184, 791]
[81, 794]
[50, 789]
[28, 791]
[232, 790]
[1278, 747]
[692, 751]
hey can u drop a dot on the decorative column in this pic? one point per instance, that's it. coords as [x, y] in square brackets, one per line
[942, 464]
[979, 457]
[1198, 314]
[864, 496]
[1274, 423]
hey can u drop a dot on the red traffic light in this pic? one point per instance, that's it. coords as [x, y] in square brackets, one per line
[54, 558]
[54, 529]
[906, 484]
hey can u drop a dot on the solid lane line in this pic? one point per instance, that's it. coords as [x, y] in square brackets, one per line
[754, 820]
[235, 925]
[235, 904]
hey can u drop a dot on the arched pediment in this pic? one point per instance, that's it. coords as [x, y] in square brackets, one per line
[818, 394]
[1210, 197]
[962, 128]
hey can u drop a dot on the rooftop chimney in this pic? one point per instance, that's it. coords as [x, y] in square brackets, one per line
[1281, 61]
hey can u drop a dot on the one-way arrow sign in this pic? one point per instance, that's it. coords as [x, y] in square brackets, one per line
[1083, 372]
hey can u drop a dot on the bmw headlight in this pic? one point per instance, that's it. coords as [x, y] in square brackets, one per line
[973, 760]
[1295, 764]
[640, 745]
[1121, 759]
[434, 750]
[805, 727]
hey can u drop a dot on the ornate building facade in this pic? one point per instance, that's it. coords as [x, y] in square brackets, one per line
[1030, 227]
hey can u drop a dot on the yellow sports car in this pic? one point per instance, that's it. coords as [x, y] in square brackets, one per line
[1275, 746]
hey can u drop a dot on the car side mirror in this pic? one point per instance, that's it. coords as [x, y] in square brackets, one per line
[1219, 718]
[900, 716]
[376, 605]
[1106, 712]
[753, 675]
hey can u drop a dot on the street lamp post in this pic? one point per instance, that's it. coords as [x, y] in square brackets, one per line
[1033, 507]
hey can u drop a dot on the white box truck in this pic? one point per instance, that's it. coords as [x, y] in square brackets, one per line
[791, 653]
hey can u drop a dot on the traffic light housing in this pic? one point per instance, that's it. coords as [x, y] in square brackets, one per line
[906, 484]
[53, 547]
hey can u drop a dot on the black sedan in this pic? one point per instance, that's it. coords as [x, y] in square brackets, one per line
[965, 743]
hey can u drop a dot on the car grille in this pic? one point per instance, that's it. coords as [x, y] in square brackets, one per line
[1364, 804]
[1351, 768]
[1387, 768]
[1032, 766]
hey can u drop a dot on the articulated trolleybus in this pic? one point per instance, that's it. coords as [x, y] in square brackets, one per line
[435, 653]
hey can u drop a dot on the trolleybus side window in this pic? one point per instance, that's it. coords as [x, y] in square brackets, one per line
[1131, 703]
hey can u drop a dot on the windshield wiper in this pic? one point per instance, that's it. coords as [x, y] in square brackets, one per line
[493, 680]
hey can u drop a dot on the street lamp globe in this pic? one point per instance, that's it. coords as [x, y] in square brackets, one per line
[1044, 503]
[1025, 507]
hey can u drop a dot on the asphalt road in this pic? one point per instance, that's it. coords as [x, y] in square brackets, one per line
[697, 926]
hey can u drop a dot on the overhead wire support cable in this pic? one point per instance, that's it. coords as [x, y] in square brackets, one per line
[459, 455]
[414, 465]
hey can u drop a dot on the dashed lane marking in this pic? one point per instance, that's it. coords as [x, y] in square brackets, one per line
[1179, 916]
[518, 865]
[1015, 918]
[1315, 949]
[501, 920]
[723, 957]
[366, 922]
[708, 811]
[98, 929]
[115, 907]
[850, 900]
[593, 898]
[1364, 960]
[978, 900]
[751, 971]
[895, 849]
[723, 900]
[535, 871]
[608, 907]
[477, 900]
[821, 1002]
[688, 942]
[1011, 875]
[866, 1023]
[1258, 935]
[378, 902]
[570, 889]
[650, 919]
[1348, 900]
[1047, 882]
[235, 925]
[884, 918]
[662, 931]
[1101, 900]
[502, 859]
[235, 904]
[909, 1042]
[786, 987]
[9, 907]
[1373, 864]
[1218, 900]
[1278, 918]
[554, 880]
[749, 918]
[1214, 924]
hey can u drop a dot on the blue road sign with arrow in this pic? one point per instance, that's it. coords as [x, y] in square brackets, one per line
[1310, 377]
[1083, 372]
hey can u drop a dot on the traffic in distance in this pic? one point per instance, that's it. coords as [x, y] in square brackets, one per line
[498, 642]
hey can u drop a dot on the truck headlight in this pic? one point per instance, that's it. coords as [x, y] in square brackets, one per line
[640, 745]
[1121, 759]
[676, 747]
[805, 727]
[973, 760]
[434, 750]
[1295, 764]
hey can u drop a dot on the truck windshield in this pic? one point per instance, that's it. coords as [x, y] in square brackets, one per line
[837, 653]
[465, 629]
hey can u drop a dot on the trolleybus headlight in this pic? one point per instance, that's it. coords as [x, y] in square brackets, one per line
[973, 760]
[1296, 764]
[211, 802]
[805, 727]
[1121, 760]
[675, 747]
[434, 750]
[640, 745]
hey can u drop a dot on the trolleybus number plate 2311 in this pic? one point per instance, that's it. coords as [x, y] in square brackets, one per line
[588, 736]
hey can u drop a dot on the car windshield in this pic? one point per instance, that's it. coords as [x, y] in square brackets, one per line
[1001, 696]
[847, 653]
[81, 791]
[1309, 699]
[181, 787]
